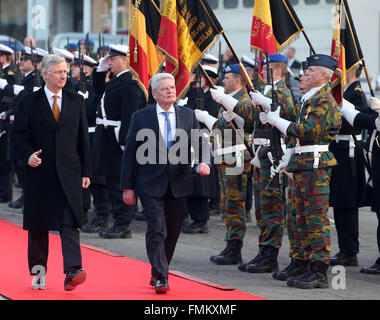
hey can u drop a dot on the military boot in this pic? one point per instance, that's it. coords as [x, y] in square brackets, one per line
[117, 231]
[295, 269]
[266, 263]
[222, 253]
[316, 277]
[96, 224]
[243, 266]
[232, 255]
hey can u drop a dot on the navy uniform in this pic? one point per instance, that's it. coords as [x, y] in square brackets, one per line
[348, 183]
[121, 97]
[6, 105]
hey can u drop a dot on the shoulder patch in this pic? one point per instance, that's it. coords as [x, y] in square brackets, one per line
[134, 78]
[10, 73]
[358, 89]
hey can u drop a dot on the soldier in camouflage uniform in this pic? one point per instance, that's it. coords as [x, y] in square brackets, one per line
[311, 163]
[270, 214]
[233, 162]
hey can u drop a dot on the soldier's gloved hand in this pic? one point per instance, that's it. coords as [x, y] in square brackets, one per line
[283, 163]
[260, 99]
[226, 100]
[229, 116]
[3, 83]
[204, 117]
[348, 111]
[36, 89]
[375, 104]
[17, 89]
[104, 64]
[84, 95]
[256, 161]
[3, 116]
[269, 117]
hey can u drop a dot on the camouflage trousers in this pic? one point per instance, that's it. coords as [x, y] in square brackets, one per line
[270, 216]
[291, 219]
[311, 203]
[233, 190]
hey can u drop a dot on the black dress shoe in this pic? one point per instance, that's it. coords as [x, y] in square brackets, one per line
[375, 269]
[117, 231]
[152, 282]
[162, 286]
[341, 259]
[73, 279]
[17, 204]
[95, 225]
[196, 227]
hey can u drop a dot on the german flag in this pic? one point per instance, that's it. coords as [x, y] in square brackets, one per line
[144, 57]
[345, 47]
[275, 26]
[188, 29]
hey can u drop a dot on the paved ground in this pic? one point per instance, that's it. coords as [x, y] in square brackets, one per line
[193, 252]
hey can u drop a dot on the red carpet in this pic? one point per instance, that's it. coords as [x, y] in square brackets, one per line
[109, 276]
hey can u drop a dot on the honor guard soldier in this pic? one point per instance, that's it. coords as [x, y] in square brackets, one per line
[82, 69]
[348, 177]
[121, 97]
[6, 107]
[370, 121]
[311, 163]
[233, 162]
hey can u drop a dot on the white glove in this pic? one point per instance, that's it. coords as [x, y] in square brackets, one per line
[260, 99]
[377, 123]
[84, 95]
[3, 83]
[256, 161]
[204, 117]
[348, 111]
[104, 64]
[182, 102]
[17, 89]
[229, 116]
[269, 117]
[3, 116]
[36, 89]
[283, 163]
[226, 100]
[375, 104]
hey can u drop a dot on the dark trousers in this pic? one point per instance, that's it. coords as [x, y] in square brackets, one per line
[378, 232]
[347, 227]
[164, 222]
[122, 213]
[6, 188]
[38, 246]
[99, 196]
[249, 198]
[198, 208]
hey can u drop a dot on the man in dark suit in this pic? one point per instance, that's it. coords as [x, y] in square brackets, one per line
[161, 183]
[50, 136]
[122, 96]
[293, 64]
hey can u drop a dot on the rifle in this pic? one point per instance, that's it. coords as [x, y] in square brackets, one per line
[200, 98]
[220, 65]
[82, 80]
[87, 44]
[274, 136]
[37, 77]
[256, 71]
[1, 71]
[17, 66]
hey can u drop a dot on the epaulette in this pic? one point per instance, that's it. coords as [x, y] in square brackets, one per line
[10, 73]
[358, 89]
[134, 78]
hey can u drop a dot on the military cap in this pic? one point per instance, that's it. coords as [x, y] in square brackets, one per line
[5, 49]
[90, 42]
[88, 61]
[64, 53]
[247, 62]
[118, 50]
[274, 58]
[210, 59]
[211, 71]
[72, 46]
[233, 68]
[322, 60]
[27, 53]
[41, 53]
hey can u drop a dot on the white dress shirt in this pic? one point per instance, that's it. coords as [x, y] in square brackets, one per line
[161, 121]
[50, 96]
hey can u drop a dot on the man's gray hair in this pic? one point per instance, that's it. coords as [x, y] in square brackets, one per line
[51, 60]
[157, 78]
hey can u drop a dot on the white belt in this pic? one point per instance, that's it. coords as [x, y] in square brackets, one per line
[350, 139]
[315, 149]
[91, 129]
[106, 123]
[261, 142]
[229, 150]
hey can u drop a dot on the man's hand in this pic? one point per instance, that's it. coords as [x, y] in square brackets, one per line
[201, 115]
[3, 116]
[85, 182]
[269, 117]
[129, 197]
[104, 64]
[203, 169]
[375, 104]
[84, 95]
[259, 99]
[228, 102]
[3, 83]
[34, 161]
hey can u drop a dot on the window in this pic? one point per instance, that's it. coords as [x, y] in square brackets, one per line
[294, 2]
[249, 3]
[230, 4]
[330, 1]
[311, 1]
[214, 4]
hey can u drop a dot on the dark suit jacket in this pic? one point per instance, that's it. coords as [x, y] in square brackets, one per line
[65, 158]
[153, 179]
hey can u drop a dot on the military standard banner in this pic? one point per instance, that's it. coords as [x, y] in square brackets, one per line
[188, 29]
[145, 59]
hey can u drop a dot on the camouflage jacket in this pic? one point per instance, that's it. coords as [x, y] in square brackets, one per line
[223, 140]
[317, 124]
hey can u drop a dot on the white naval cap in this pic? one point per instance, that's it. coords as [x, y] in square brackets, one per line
[248, 61]
[64, 53]
[211, 71]
[41, 52]
[209, 58]
[86, 59]
[5, 49]
[118, 50]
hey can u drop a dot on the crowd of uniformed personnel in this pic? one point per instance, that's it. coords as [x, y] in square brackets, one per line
[322, 165]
